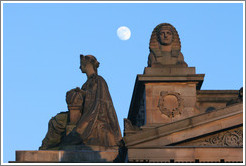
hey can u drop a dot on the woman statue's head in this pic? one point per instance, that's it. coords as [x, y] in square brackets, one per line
[87, 62]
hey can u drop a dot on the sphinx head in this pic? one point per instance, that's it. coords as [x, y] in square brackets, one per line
[165, 46]
[165, 35]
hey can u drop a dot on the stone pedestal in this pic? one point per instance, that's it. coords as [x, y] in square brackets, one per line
[164, 95]
[82, 154]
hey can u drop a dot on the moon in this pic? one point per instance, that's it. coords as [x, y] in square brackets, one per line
[123, 33]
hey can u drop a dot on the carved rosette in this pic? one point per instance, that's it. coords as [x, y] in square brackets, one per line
[170, 103]
[230, 138]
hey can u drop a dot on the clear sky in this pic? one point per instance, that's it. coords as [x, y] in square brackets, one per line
[42, 44]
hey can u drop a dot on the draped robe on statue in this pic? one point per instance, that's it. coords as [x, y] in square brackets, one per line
[98, 124]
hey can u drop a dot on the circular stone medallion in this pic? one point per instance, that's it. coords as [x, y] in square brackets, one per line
[170, 103]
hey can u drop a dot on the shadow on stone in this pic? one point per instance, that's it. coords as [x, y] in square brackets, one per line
[88, 154]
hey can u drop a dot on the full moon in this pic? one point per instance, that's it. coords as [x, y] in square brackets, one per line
[123, 33]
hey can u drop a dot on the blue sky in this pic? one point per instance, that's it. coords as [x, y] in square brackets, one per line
[42, 43]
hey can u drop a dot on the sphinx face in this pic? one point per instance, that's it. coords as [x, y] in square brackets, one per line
[166, 36]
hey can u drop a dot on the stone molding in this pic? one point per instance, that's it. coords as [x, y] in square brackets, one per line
[216, 95]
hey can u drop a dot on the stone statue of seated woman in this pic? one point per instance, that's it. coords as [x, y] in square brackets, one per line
[91, 119]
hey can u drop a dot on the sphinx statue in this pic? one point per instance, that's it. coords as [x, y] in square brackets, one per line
[165, 47]
[91, 119]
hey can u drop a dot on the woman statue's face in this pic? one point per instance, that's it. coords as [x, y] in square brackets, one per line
[83, 65]
[165, 36]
